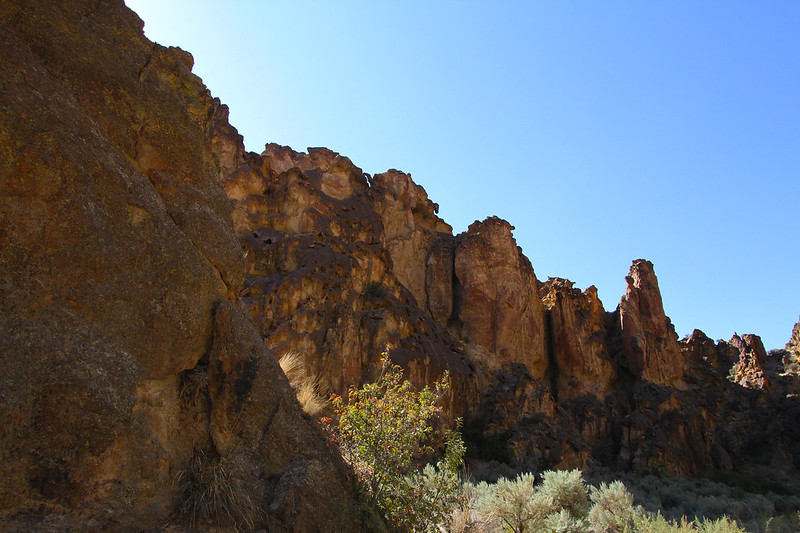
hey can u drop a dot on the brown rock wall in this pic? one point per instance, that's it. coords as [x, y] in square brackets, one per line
[649, 340]
[794, 343]
[120, 273]
[577, 340]
[499, 312]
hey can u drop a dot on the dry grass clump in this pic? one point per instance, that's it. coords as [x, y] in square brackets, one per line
[194, 385]
[212, 495]
[306, 387]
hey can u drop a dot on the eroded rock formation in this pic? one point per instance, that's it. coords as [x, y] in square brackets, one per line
[542, 374]
[120, 273]
[152, 269]
[793, 345]
[648, 338]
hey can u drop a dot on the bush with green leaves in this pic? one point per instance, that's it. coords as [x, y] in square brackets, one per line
[563, 503]
[649, 523]
[612, 508]
[383, 431]
[513, 504]
[559, 504]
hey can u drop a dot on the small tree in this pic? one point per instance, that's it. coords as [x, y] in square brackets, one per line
[382, 431]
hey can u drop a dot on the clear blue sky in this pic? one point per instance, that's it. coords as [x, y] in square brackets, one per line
[603, 131]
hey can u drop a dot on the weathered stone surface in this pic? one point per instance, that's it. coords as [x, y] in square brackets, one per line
[648, 338]
[793, 345]
[577, 340]
[498, 308]
[748, 371]
[410, 229]
[320, 280]
[338, 279]
[120, 273]
[127, 344]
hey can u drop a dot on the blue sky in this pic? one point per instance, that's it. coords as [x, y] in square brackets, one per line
[603, 131]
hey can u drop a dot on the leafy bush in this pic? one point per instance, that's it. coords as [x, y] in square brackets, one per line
[382, 431]
[645, 523]
[612, 509]
[737, 499]
[559, 504]
[567, 491]
[514, 504]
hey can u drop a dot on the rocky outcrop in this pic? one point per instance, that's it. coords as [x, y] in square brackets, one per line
[577, 340]
[125, 350]
[497, 307]
[152, 269]
[410, 230]
[748, 371]
[793, 345]
[542, 375]
[649, 341]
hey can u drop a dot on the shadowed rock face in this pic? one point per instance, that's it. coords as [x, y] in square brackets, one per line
[120, 274]
[577, 336]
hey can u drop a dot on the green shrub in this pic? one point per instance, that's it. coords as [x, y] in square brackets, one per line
[565, 522]
[382, 431]
[612, 510]
[644, 523]
[567, 490]
[514, 504]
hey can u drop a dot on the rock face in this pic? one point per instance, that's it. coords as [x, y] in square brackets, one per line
[498, 307]
[793, 345]
[648, 338]
[577, 333]
[152, 269]
[541, 373]
[748, 371]
[120, 274]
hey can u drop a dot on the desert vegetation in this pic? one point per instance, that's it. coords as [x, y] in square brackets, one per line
[562, 501]
[212, 494]
[385, 431]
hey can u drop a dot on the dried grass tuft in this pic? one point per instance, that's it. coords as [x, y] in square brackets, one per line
[211, 494]
[194, 385]
[306, 388]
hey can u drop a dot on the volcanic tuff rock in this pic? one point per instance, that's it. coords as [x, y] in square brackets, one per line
[794, 343]
[125, 348]
[542, 374]
[648, 338]
[577, 333]
[140, 305]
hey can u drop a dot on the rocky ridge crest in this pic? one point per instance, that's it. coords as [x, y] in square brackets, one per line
[543, 375]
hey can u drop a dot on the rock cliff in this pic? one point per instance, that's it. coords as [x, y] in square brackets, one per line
[340, 264]
[152, 270]
[126, 352]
